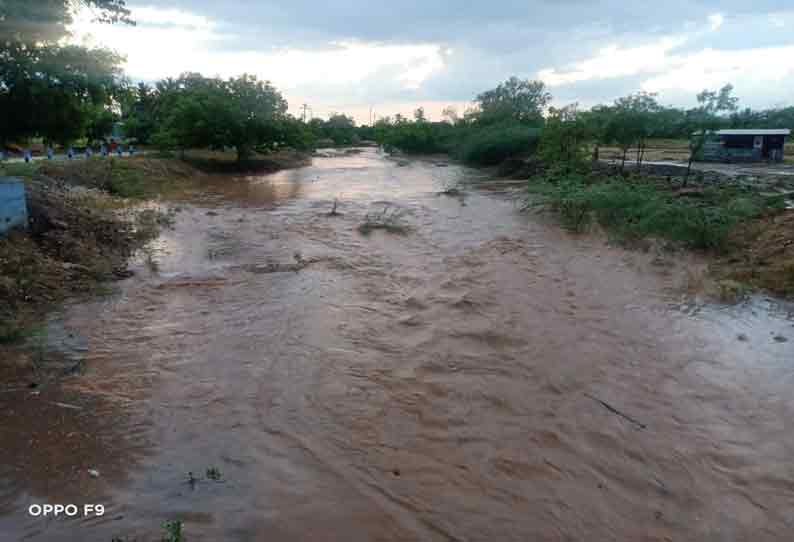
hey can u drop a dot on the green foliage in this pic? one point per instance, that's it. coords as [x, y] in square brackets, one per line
[519, 100]
[713, 103]
[141, 120]
[47, 89]
[504, 124]
[492, 144]
[56, 92]
[781, 117]
[173, 531]
[419, 137]
[565, 136]
[339, 128]
[201, 112]
[636, 210]
[213, 473]
[19, 169]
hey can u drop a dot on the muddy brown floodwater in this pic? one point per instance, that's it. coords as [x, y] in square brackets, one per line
[482, 377]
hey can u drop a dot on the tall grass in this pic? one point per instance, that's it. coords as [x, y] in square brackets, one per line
[702, 220]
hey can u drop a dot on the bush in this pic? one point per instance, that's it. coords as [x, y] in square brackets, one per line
[418, 137]
[643, 210]
[491, 145]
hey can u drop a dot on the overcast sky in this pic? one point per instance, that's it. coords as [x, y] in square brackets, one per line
[353, 55]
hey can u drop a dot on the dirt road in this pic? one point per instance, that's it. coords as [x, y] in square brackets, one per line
[482, 377]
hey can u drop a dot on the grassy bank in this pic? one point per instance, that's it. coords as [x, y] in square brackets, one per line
[749, 234]
[81, 231]
[76, 240]
[640, 208]
[83, 228]
[139, 177]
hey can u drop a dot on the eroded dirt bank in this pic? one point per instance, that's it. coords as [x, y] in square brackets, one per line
[483, 376]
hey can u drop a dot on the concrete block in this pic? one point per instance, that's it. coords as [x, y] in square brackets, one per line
[13, 205]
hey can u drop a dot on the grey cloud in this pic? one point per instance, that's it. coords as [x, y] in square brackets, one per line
[490, 40]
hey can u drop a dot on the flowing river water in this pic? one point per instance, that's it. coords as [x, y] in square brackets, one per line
[484, 376]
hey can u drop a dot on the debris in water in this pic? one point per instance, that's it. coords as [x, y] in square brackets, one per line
[616, 411]
[780, 339]
[66, 405]
[93, 473]
[742, 337]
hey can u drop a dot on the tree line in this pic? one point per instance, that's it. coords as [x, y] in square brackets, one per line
[510, 119]
[64, 93]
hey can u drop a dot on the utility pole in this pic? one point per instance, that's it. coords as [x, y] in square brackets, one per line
[304, 107]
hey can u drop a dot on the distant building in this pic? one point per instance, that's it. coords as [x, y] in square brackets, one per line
[744, 145]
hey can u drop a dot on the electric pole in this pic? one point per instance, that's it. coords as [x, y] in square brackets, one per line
[304, 107]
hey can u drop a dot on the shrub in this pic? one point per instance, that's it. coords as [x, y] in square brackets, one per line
[643, 210]
[491, 145]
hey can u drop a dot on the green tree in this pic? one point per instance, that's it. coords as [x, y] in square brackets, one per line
[254, 109]
[141, 114]
[521, 100]
[564, 137]
[630, 124]
[706, 118]
[716, 102]
[47, 89]
[202, 112]
[54, 92]
[640, 109]
[340, 128]
[597, 121]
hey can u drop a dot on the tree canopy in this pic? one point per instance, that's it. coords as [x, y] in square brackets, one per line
[516, 99]
[194, 111]
[58, 92]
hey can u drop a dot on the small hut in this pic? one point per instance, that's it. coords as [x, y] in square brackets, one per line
[745, 145]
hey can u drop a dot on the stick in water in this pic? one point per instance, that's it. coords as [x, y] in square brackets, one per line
[613, 410]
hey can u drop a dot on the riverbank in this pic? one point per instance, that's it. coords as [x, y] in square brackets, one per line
[743, 224]
[77, 239]
[87, 217]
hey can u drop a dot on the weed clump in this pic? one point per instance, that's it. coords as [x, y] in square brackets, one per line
[173, 531]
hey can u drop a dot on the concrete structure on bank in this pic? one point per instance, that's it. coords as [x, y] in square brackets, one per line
[13, 205]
